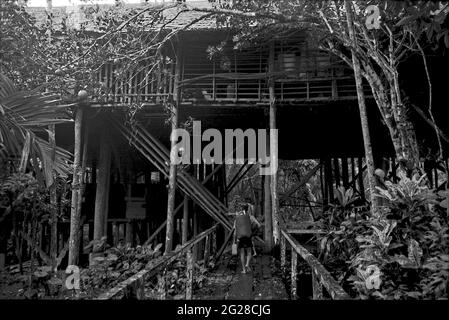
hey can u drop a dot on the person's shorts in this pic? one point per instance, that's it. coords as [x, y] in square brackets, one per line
[244, 242]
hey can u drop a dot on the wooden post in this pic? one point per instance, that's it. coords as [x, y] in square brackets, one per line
[273, 150]
[362, 109]
[195, 221]
[329, 179]
[102, 190]
[345, 172]
[323, 186]
[337, 171]
[53, 202]
[189, 274]
[268, 230]
[294, 275]
[82, 183]
[173, 154]
[283, 253]
[185, 220]
[360, 175]
[129, 233]
[74, 240]
[317, 287]
[206, 250]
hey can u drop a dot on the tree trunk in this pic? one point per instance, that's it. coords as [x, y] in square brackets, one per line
[362, 109]
[74, 213]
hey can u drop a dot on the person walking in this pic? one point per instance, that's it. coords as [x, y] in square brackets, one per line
[243, 235]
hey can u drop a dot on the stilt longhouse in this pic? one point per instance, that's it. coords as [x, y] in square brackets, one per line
[282, 82]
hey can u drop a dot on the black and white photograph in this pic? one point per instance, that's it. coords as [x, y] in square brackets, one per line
[228, 156]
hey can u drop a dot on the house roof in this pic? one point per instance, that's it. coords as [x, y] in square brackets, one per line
[78, 15]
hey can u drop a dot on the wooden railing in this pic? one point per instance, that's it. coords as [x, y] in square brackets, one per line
[134, 286]
[321, 278]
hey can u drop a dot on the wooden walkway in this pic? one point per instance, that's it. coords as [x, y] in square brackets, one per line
[227, 282]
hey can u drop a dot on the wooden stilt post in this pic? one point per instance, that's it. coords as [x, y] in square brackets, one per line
[173, 154]
[360, 175]
[268, 230]
[353, 179]
[329, 179]
[323, 186]
[283, 254]
[102, 190]
[337, 171]
[185, 220]
[129, 233]
[82, 183]
[53, 202]
[345, 172]
[294, 274]
[206, 250]
[189, 274]
[74, 240]
[195, 216]
[273, 151]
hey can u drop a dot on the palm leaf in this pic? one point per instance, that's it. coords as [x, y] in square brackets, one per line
[24, 119]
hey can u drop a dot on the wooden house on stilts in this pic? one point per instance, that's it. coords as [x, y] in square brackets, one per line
[282, 82]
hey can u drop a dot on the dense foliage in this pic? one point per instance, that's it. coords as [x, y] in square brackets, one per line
[402, 253]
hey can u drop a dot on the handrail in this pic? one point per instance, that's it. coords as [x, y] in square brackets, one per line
[137, 281]
[320, 276]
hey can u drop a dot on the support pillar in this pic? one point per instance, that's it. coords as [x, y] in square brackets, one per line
[74, 239]
[185, 220]
[268, 230]
[173, 155]
[102, 188]
[273, 151]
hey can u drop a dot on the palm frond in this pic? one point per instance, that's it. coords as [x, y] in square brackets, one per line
[24, 119]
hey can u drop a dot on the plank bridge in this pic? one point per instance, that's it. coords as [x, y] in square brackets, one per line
[270, 277]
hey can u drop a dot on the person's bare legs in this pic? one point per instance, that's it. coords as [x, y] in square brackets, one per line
[248, 258]
[242, 259]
